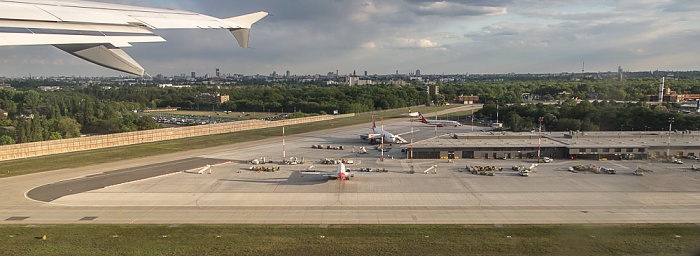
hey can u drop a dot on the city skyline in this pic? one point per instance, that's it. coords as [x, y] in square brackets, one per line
[452, 37]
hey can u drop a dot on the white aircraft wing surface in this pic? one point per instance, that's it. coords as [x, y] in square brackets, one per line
[408, 132]
[96, 31]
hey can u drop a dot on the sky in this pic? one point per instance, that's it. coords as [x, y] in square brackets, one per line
[383, 36]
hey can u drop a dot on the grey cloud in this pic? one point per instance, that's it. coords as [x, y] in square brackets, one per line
[447, 9]
[492, 3]
[317, 36]
[456, 8]
[682, 6]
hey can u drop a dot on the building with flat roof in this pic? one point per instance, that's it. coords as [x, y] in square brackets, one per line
[211, 98]
[567, 145]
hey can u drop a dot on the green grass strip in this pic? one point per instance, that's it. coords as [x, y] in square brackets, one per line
[647, 239]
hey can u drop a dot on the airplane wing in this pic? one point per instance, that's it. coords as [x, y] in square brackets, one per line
[406, 133]
[370, 136]
[96, 32]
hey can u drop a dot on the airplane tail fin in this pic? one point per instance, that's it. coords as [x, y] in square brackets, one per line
[374, 123]
[245, 22]
[422, 118]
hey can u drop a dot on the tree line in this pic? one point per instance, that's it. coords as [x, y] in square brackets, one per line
[77, 110]
[511, 91]
[39, 116]
[571, 115]
[274, 98]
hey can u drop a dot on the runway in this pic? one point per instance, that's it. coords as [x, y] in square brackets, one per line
[157, 190]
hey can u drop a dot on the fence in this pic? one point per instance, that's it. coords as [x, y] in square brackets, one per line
[34, 149]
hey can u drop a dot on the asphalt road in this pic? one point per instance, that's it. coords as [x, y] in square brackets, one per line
[50, 192]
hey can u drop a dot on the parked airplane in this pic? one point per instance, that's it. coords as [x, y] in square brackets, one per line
[340, 173]
[96, 32]
[378, 133]
[438, 123]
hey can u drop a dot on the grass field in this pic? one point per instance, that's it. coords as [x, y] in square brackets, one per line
[73, 160]
[350, 240]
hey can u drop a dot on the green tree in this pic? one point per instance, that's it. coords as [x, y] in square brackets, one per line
[6, 140]
[147, 123]
[568, 124]
[55, 136]
[68, 127]
[516, 122]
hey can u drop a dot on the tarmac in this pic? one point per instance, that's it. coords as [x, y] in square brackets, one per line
[170, 189]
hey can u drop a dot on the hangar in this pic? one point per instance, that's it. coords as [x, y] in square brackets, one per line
[567, 145]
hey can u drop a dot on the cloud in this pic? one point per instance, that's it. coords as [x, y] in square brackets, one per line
[453, 36]
[456, 9]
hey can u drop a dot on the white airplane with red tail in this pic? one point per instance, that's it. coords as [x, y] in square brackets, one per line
[438, 123]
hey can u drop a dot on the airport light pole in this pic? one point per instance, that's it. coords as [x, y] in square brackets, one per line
[284, 152]
[410, 156]
[472, 116]
[497, 125]
[436, 124]
[381, 147]
[539, 140]
[668, 145]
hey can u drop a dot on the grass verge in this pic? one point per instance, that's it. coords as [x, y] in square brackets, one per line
[86, 158]
[645, 239]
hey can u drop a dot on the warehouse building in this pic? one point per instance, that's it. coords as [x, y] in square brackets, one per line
[563, 145]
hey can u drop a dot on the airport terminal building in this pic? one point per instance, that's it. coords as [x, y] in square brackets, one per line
[561, 145]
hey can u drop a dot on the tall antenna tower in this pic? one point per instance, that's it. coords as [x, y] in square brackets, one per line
[583, 68]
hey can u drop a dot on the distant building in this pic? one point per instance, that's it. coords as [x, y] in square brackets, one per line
[6, 86]
[417, 72]
[467, 99]
[25, 113]
[194, 75]
[49, 88]
[433, 89]
[695, 97]
[668, 96]
[619, 73]
[288, 74]
[356, 80]
[174, 86]
[211, 98]
[526, 96]
[397, 82]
